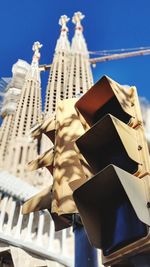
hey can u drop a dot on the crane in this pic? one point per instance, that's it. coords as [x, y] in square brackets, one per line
[107, 57]
[120, 55]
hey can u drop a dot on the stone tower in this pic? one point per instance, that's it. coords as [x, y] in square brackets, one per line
[70, 73]
[22, 148]
[80, 75]
[59, 70]
[11, 97]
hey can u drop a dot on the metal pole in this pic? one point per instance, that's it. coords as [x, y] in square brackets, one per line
[85, 254]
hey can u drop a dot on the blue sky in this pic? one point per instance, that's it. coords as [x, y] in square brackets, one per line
[108, 25]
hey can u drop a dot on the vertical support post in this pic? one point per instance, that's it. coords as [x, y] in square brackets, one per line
[11, 215]
[51, 235]
[19, 224]
[85, 254]
[29, 227]
[63, 244]
[3, 211]
[40, 227]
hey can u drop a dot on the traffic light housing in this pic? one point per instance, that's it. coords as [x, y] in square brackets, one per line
[62, 160]
[114, 203]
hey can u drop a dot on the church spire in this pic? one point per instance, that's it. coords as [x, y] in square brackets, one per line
[63, 42]
[78, 41]
[62, 22]
[34, 73]
[79, 74]
[29, 110]
[59, 70]
[29, 105]
[11, 97]
[76, 19]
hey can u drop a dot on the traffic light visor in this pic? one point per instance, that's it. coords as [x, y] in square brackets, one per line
[110, 141]
[106, 96]
[113, 208]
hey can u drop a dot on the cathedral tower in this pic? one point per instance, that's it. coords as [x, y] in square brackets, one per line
[59, 70]
[22, 148]
[11, 97]
[79, 73]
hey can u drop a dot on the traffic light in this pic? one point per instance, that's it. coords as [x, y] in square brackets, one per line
[62, 160]
[114, 203]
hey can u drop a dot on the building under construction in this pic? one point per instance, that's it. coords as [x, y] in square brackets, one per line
[30, 240]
